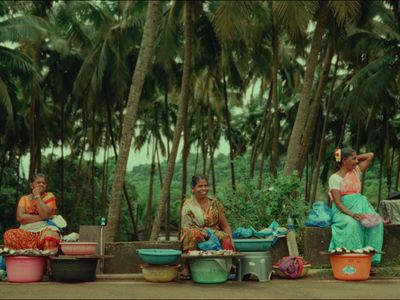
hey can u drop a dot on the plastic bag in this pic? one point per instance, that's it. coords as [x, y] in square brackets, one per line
[243, 233]
[212, 243]
[320, 215]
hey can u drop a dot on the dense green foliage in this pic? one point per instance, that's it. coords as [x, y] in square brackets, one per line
[266, 76]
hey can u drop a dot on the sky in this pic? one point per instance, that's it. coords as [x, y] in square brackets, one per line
[144, 155]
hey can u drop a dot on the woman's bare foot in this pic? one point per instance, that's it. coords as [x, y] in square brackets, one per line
[185, 273]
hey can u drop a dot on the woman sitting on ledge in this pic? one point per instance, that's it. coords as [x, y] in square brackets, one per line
[200, 213]
[33, 211]
[350, 205]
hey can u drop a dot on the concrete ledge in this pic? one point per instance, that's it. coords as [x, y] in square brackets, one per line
[317, 239]
[125, 258]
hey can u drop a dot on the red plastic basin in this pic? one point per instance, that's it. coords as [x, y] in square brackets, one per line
[78, 248]
[25, 268]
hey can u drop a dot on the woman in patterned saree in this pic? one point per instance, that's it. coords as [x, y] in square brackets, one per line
[199, 213]
[33, 211]
[350, 206]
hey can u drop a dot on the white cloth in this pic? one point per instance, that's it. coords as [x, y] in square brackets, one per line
[37, 226]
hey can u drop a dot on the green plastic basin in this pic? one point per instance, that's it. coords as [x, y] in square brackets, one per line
[159, 256]
[249, 245]
[210, 270]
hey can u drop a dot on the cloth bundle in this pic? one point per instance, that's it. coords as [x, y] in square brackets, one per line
[291, 266]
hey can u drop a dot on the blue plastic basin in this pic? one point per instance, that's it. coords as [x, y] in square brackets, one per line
[159, 256]
[252, 244]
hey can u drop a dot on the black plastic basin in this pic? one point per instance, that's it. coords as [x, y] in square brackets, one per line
[73, 269]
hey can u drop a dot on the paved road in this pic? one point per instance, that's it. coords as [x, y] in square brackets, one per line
[275, 289]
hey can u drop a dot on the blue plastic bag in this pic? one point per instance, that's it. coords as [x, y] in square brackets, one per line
[2, 263]
[320, 215]
[212, 243]
[243, 233]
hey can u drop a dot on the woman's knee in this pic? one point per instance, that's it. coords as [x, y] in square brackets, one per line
[9, 235]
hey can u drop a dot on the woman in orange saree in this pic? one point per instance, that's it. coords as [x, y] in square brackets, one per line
[199, 213]
[33, 211]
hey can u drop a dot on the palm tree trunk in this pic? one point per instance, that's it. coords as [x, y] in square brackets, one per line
[78, 183]
[313, 162]
[380, 177]
[159, 168]
[343, 128]
[142, 67]
[182, 115]
[212, 169]
[229, 133]
[168, 137]
[390, 171]
[322, 143]
[93, 166]
[50, 165]
[62, 155]
[149, 210]
[196, 162]
[204, 147]
[265, 140]
[185, 153]
[275, 100]
[211, 143]
[294, 147]
[315, 106]
[358, 136]
[104, 184]
[254, 153]
[396, 187]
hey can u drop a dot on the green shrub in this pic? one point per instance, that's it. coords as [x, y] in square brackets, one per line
[250, 206]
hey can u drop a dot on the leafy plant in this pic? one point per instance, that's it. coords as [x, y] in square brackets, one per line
[278, 198]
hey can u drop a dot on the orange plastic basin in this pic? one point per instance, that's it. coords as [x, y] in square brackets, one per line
[351, 266]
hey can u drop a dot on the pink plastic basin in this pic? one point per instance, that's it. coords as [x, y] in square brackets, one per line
[25, 268]
[78, 248]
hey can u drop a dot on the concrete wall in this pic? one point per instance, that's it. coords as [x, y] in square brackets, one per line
[317, 239]
[125, 257]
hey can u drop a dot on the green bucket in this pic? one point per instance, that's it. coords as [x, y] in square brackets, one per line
[210, 270]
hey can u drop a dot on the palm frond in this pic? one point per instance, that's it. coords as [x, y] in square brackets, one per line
[294, 16]
[5, 100]
[28, 27]
[19, 64]
[345, 12]
[73, 30]
[230, 19]
[168, 43]
[84, 77]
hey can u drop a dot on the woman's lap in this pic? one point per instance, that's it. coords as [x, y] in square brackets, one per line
[349, 233]
[19, 239]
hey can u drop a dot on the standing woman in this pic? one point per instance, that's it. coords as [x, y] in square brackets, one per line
[350, 206]
[33, 211]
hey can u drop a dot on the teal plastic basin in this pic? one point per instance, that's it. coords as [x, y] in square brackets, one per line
[210, 270]
[159, 256]
[249, 245]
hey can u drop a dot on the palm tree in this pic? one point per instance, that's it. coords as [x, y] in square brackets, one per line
[141, 69]
[344, 12]
[182, 113]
